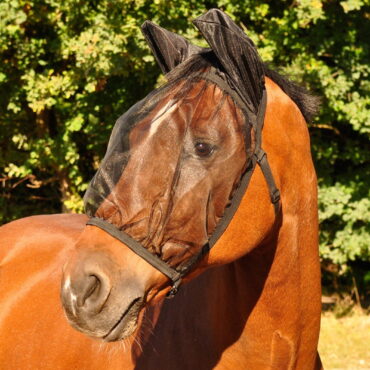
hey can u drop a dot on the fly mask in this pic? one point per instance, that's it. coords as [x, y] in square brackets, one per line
[230, 70]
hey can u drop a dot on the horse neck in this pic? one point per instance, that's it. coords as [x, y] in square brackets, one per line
[277, 281]
[285, 267]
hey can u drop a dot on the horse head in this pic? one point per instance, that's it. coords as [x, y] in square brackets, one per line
[174, 164]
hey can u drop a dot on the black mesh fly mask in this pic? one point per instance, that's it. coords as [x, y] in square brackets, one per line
[179, 162]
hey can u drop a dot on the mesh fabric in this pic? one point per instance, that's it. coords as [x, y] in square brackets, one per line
[172, 164]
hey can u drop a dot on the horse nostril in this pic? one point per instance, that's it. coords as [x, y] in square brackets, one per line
[93, 291]
[87, 292]
[90, 289]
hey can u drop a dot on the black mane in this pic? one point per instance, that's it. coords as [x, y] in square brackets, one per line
[307, 103]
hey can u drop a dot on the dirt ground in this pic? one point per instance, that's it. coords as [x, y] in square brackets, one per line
[345, 342]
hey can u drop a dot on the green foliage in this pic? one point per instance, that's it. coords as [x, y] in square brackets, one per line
[70, 68]
[350, 237]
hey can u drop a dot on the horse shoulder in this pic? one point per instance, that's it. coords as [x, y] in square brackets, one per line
[35, 332]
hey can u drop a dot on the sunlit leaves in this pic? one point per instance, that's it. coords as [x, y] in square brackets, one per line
[70, 68]
[309, 11]
[350, 5]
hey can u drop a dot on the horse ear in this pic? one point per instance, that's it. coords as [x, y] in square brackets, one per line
[236, 53]
[168, 48]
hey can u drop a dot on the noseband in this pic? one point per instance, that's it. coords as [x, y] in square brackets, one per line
[259, 157]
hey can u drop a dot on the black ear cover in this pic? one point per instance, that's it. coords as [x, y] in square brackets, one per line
[168, 48]
[236, 53]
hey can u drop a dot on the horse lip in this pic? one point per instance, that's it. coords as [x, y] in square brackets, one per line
[117, 331]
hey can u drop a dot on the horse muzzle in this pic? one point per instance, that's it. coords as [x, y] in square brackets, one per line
[99, 298]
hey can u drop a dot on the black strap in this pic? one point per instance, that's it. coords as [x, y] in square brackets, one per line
[234, 205]
[141, 251]
[212, 75]
[259, 156]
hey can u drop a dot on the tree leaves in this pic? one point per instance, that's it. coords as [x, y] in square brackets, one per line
[70, 68]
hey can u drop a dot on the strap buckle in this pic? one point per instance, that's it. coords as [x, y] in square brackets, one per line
[260, 154]
[275, 196]
[174, 289]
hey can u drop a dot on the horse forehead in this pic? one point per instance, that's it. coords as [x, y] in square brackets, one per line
[163, 115]
[206, 101]
[216, 114]
[194, 109]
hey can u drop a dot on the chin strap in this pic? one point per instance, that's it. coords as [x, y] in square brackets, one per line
[176, 274]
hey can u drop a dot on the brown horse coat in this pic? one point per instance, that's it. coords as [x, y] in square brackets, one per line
[259, 308]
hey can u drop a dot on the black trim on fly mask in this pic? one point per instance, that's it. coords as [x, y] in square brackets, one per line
[244, 82]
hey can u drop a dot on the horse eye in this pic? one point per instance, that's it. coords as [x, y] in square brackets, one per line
[203, 149]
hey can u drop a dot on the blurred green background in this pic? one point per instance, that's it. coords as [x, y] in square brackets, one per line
[69, 69]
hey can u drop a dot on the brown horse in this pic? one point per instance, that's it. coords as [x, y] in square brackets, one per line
[253, 302]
